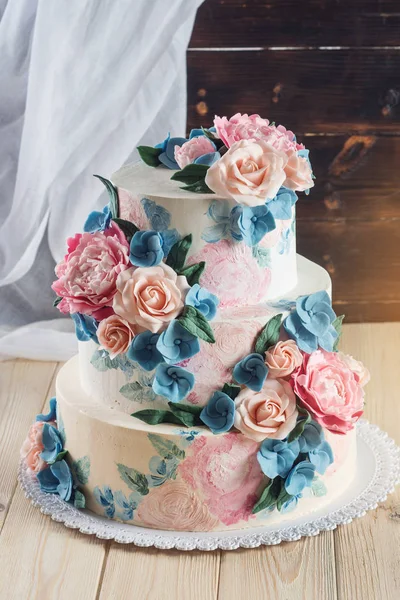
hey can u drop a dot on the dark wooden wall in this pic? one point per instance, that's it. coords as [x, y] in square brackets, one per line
[329, 70]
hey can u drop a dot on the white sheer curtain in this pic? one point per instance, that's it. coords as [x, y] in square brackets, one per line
[82, 83]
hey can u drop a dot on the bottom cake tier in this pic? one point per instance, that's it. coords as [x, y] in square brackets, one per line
[169, 478]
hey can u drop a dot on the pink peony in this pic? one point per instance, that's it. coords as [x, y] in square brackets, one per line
[233, 262]
[270, 413]
[360, 371]
[150, 297]
[298, 173]
[33, 446]
[175, 506]
[253, 127]
[115, 335]
[249, 172]
[282, 359]
[88, 273]
[197, 146]
[225, 471]
[330, 390]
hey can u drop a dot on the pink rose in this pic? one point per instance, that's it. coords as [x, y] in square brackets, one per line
[249, 172]
[360, 371]
[88, 273]
[253, 127]
[150, 297]
[225, 471]
[115, 335]
[270, 413]
[282, 359]
[197, 146]
[298, 173]
[330, 390]
[33, 446]
[174, 506]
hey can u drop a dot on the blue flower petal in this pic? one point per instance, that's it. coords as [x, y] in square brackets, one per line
[52, 414]
[61, 470]
[172, 382]
[299, 477]
[251, 371]
[143, 350]
[85, 327]
[219, 413]
[321, 457]
[146, 249]
[52, 443]
[207, 159]
[98, 220]
[48, 482]
[203, 300]
[281, 205]
[276, 457]
[176, 344]
[253, 223]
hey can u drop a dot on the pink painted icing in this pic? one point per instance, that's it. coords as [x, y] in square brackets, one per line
[233, 262]
[225, 471]
[131, 209]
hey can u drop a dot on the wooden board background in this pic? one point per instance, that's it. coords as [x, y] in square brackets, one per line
[329, 70]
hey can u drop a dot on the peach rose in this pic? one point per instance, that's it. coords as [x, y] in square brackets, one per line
[298, 173]
[33, 446]
[249, 172]
[270, 413]
[360, 371]
[282, 359]
[115, 335]
[175, 506]
[150, 297]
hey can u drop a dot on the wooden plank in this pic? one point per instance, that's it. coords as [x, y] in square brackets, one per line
[301, 570]
[24, 385]
[260, 23]
[367, 551]
[362, 259]
[160, 575]
[338, 91]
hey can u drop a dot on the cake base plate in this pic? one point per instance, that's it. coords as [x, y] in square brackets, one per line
[378, 471]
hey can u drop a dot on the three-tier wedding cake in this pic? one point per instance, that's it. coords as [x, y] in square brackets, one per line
[208, 392]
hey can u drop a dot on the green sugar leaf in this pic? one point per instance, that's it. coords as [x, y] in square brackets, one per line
[79, 500]
[337, 324]
[187, 413]
[193, 273]
[200, 187]
[57, 301]
[154, 417]
[166, 448]
[282, 498]
[129, 229]
[269, 335]
[269, 495]
[130, 390]
[210, 134]
[300, 425]
[113, 195]
[133, 479]
[177, 255]
[191, 174]
[81, 469]
[149, 155]
[231, 390]
[196, 324]
[318, 487]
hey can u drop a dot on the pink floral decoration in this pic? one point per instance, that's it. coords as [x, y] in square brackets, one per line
[225, 471]
[330, 390]
[283, 358]
[174, 506]
[115, 335]
[131, 209]
[88, 273]
[233, 262]
[33, 446]
[197, 146]
[298, 173]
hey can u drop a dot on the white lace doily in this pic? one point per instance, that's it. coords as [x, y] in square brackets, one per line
[378, 471]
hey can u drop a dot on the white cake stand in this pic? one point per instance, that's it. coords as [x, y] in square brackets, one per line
[378, 471]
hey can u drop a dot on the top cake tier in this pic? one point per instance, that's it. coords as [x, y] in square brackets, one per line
[238, 274]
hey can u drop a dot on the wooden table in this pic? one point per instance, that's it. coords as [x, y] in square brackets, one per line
[42, 559]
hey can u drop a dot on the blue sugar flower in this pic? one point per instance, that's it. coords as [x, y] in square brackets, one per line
[281, 205]
[98, 220]
[276, 457]
[321, 457]
[52, 414]
[146, 249]
[105, 498]
[219, 413]
[310, 324]
[172, 382]
[253, 222]
[203, 300]
[85, 327]
[290, 504]
[311, 437]
[176, 343]
[52, 443]
[57, 479]
[299, 477]
[143, 350]
[251, 371]
[207, 159]
[167, 156]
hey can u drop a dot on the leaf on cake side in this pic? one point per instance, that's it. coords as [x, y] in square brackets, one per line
[191, 174]
[177, 255]
[149, 155]
[231, 390]
[338, 325]
[112, 194]
[166, 448]
[269, 334]
[155, 417]
[81, 469]
[262, 256]
[300, 425]
[269, 495]
[127, 228]
[79, 500]
[195, 323]
[134, 479]
[193, 272]
[318, 487]
[187, 413]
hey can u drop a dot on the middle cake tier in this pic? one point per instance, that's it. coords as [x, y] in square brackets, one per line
[124, 386]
